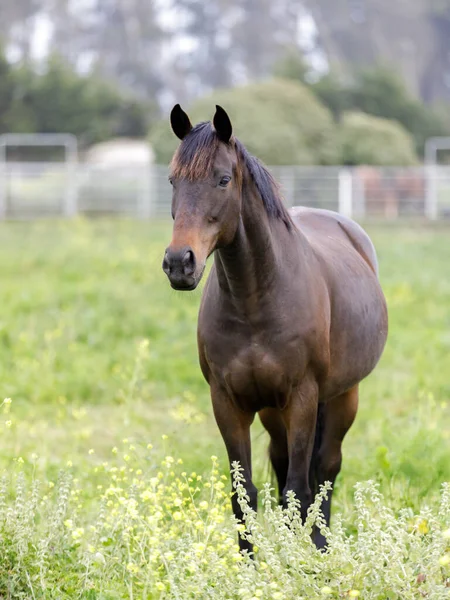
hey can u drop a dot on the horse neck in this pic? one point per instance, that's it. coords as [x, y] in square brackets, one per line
[247, 268]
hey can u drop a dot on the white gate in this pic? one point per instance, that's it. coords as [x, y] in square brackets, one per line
[22, 190]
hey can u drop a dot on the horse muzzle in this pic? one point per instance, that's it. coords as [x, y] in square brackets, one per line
[180, 266]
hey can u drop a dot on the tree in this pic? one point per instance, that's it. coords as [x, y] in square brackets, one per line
[59, 100]
[334, 93]
[16, 22]
[291, 65]
[412, 36]
[279, 121]
[233, 41]
[381, 92]
[263, 32]
[121, 39]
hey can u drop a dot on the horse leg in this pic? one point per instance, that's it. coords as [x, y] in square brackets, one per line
[278, 447]
[338, 416]
[300, 421]
[315, 453]
[234, 425]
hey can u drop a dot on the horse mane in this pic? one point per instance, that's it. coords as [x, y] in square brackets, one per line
[194, 160]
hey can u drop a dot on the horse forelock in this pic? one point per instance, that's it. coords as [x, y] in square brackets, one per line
[194, 158]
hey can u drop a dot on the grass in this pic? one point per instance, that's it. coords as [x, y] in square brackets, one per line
[96, 348]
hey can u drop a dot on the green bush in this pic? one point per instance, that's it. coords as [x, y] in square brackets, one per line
[333, 93]
[279, 121]
[59, 100]
[371, 140]
[381, 92]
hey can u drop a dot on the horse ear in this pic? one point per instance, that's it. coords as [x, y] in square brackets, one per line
[179, 120]
[222, 124]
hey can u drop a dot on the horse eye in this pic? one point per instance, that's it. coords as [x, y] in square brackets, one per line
[224, 181]
[170, 180]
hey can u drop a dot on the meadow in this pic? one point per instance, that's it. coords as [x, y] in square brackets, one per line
[115, 480]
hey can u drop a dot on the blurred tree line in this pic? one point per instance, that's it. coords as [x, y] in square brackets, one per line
[283, 122]
[413, 36]
[181, 46]
[377, 91]
[110, 67]
[57, 99]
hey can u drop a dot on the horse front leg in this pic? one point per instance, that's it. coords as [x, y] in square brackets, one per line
[300, 417]
[278, 449]
[234, 425]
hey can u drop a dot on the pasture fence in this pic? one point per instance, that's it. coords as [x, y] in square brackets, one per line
[30, 190]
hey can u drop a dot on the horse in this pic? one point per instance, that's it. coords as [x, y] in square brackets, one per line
[292, 315]
[389, 192]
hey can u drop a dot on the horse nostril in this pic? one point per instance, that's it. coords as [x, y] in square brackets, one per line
[188, 262]
[166, 265]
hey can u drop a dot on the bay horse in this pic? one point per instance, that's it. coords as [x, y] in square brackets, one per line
[292, 315]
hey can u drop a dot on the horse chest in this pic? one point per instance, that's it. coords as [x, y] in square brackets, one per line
[255, 376]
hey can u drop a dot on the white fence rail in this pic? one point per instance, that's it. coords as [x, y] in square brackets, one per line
[39, 189]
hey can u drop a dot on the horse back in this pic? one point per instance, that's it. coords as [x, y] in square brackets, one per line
[320, 225]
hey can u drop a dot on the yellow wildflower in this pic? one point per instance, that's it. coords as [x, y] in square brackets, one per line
[132, 568]
[422, 527]
[78, 533]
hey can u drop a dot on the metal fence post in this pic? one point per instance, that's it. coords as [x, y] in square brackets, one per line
[71, 191]
[431, 204]
[346, 192]
[432, 146]
[3, 180]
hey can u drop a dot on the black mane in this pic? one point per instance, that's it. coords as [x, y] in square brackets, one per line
[266, 185]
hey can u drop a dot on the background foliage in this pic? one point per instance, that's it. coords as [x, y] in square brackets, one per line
[113, 68]
[279, 121]
[374, 141]
[283, 122]
[58, 100]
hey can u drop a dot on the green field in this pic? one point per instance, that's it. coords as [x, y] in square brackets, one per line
[95, 349]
